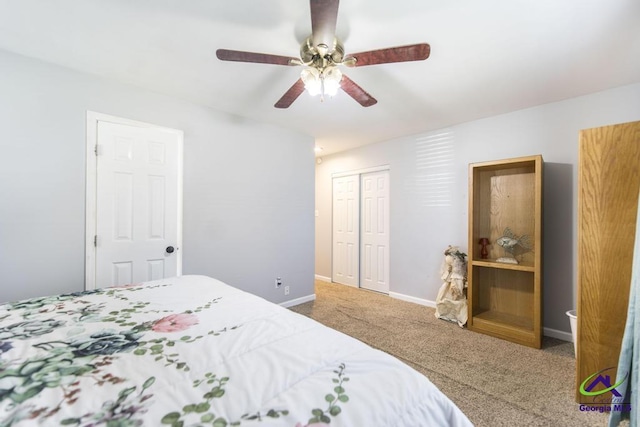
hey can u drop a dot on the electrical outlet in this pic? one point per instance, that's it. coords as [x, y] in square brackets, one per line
[286, 290]
[278, 282]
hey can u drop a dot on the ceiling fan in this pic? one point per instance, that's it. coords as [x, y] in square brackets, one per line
[322, 53]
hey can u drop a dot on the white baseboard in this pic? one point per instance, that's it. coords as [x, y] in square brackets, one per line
[553, 333]
[561, 335]
[548, 332]
[297, 301]
[414, 300]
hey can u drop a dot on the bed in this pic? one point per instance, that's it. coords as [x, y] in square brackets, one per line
[192, 350]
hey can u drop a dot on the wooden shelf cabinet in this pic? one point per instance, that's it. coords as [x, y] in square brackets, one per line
[505, 300]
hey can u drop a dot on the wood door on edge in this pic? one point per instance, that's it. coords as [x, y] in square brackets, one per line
[609, 181]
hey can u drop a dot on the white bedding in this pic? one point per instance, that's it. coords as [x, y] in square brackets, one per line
[194, 351]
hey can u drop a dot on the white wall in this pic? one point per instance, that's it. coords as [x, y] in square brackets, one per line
[429, 187]
[248, 187]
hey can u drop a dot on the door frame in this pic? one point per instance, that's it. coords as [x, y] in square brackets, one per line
[360, 172]
[93, 118]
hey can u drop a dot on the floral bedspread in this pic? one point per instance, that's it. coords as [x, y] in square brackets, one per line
[194, 351]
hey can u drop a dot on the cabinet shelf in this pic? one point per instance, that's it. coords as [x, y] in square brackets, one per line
[505, 300]
[505, 320]
[506, 326]
[502, 265]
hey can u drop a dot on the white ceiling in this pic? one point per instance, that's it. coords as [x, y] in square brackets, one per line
[487, 57]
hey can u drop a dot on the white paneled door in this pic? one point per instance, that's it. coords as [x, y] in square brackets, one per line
[361, 230]
[374, 234]
[138, 203]
[346, 230]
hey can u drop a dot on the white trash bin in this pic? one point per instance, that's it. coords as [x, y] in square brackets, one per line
[573, 321]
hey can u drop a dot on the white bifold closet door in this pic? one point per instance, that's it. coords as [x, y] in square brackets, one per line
[361, 230]
[346, 230]
[374, 231]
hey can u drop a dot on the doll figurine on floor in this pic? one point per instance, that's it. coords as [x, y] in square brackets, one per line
[451, 303]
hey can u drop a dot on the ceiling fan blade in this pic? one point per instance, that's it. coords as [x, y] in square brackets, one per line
[356, 92]
[324, 15]
[414, 52]
[261, 58]
[291, 95]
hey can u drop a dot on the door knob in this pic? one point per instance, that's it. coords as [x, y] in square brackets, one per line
[170, 249]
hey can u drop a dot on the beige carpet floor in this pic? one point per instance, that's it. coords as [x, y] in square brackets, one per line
[494, 382]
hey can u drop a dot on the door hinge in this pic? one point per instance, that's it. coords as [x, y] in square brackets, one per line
[95, 149]
[95, 241]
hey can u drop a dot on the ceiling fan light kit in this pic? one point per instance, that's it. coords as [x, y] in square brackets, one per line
[322, 53]
[321, 82]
